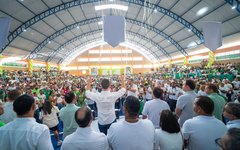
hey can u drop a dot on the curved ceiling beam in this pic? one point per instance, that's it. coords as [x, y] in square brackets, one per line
[235, 4]
[70, 4]
[94, 43]
[92, 20]
[51, 56]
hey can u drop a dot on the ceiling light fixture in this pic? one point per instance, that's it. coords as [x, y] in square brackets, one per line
[111, 6]
[155, 10]
[77, 27]
[100, 22]
[202, 11]
[234, 7]
[24, 30]
[189, 30]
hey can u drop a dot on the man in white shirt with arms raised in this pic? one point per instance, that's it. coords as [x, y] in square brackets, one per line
[132, 89]
[105, 103]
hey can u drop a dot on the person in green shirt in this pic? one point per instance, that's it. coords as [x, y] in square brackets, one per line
[80, 94]
[47, 92]
[219, 102]
[1, 112]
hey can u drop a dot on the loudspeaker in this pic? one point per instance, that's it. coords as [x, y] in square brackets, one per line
[212, 32]
[4, 30]
[114, 30]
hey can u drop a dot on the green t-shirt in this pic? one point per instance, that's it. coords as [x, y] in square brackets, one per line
[219, 103]
[37, 91]
[1, 124]
[47, 93]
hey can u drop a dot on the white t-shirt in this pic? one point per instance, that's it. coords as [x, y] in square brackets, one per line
[131, 136]
[129, 93]
[201, 132]
[152, 109]
[51, 120]
[167, 141]
[149, 93]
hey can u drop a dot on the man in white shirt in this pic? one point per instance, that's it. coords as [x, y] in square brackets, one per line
[152, 109]
[132, 89]
[148, 91]
[131, 133]
[236, 84]
[184, 106]
[24, 132]
[172, 92]
[105, 103]
[84, 137]
[9, 114]
[232, 113]
[201, 131]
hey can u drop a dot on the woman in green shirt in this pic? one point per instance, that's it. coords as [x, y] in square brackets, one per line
[81, 97]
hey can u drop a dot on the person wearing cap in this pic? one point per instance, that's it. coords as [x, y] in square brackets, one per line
[84, 137]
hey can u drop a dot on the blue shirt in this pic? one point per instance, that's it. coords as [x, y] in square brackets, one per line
[233, 124]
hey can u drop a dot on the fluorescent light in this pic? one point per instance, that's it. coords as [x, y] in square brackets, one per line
[137, 66]
[77, 27]
[105, 59]
[93, 52]
[126, 58]
[137, 58]
[83, 59]
[155, 10]
[111, 6]
[93, 59]
[116, 58]
[105, 51]
[202, 11]
[234, 7]
[100, 22]
[83, 68]
[192, 44]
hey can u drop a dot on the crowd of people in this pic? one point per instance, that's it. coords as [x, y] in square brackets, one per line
[173, 108]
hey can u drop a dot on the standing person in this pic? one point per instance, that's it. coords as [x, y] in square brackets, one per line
[148, 92]
[105, 103]
[218, 101]
[152, 109]
[9, 114]
[184, 106]
[169, 137]
[131, 133]
[230, 141]
[84, 137]
[81, 97]
[232, 113]
[1, 112]
[132, 89]
[172, 92]
[67, 115]
[24, 133]
[201, 131]
[50, 118]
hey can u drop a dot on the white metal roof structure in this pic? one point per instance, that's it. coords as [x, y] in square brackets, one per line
[57, 30]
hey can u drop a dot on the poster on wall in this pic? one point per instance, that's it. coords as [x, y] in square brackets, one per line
[127, 71]
[117, 72]
[94, 71]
